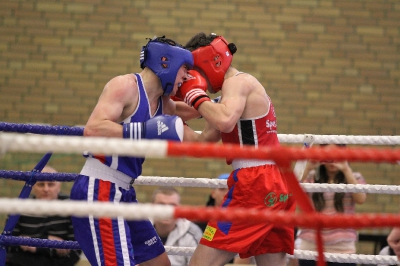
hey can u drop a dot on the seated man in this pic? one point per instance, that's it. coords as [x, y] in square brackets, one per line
[216, 198]
[44, 227]
[179, 232]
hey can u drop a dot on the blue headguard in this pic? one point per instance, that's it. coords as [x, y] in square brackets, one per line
[165, 57]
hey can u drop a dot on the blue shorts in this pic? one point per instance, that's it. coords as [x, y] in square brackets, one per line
[107, 241]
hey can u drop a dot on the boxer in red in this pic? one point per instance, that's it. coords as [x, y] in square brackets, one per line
[243, 115]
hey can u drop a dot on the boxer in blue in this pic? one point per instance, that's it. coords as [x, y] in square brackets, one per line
[132, 106]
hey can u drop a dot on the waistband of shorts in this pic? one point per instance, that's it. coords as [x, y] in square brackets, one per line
[240, 163]
[96, 169]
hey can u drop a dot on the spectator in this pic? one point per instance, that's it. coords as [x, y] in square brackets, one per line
[175, 232]
[394, 241]
[44, 227]
[215, 198]
[246, 261]
[386, 251]
[335, 240]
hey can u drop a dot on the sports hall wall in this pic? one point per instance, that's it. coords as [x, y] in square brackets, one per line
[330, 67]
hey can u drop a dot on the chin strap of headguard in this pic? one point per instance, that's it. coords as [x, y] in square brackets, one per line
[214, 60]
[165, 57]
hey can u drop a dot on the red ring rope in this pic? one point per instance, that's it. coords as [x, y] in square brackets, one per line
[282, 154]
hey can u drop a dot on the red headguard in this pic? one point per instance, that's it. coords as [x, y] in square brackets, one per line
[214, 60]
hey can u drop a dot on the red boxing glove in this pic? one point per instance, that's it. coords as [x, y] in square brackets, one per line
[193, 90]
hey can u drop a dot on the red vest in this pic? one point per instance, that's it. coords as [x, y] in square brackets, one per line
[258, 131]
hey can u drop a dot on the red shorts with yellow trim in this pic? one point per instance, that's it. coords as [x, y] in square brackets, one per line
[261, 188]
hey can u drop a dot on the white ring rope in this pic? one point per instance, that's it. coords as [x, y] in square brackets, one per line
[150, 148]
[346, 258]
[308, 187]
[180, 182]
[83, 209]
[310, 255]
[76, 144]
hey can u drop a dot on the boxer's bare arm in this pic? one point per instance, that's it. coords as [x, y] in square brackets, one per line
[209, 134]
[116, 102]
[180, 109]
[186, 112]
[224, 116]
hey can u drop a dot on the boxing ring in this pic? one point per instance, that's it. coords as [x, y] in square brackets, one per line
[62, 139]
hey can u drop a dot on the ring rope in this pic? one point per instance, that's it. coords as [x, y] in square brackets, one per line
[41, 129]
[37, 242]
[155, 211]
[163, 149]
[346, 258]
[311, 255]
[205, 182]
[39, 176]
[188, 251]
[283, 138]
